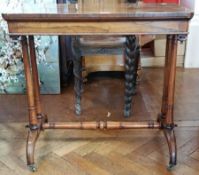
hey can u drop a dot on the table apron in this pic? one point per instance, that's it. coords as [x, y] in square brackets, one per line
[98, 28]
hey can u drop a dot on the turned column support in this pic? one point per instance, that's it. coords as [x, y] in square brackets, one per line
[166, 118]
[32, 84]
[29, 84]
[166, 77]
[102, 125]
[172, 59]
[35, 78]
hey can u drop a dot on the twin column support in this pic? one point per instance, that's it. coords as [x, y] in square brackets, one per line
[38, 121]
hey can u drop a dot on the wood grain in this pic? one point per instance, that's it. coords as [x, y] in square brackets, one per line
[120, 19]
[98, 10]
[105, 149]
[98, 28]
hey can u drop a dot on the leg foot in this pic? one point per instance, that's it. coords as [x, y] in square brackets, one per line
[32, 168]
[78, 106]
[30, 148]
[170, 167]
[127, 112]
[171, 140]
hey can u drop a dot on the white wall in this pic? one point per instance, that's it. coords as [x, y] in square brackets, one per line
[197, 6]
[192, 50]
[188, 3]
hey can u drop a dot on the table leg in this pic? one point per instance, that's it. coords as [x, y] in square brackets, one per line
[77, 71]
[166, 79]
[132, 52]
[168, 98]
[137, 64]
[33, 121]
[35, 78]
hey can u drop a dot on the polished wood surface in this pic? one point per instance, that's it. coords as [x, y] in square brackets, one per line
[113, 152]
[99, 18]
[102, 125]
[98, 10]
[29, 83]
[81, 152]
[36, 83]
[147, 102]
[102, 41]
[98, 28]
[172, 58]
[124, 19]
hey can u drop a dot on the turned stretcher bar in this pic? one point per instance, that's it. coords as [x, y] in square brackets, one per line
[102, 125]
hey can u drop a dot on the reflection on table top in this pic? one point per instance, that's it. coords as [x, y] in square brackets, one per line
[97, 9]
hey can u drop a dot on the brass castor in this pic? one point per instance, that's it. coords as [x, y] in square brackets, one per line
[171, 140]
[171, 166]
[32, 168]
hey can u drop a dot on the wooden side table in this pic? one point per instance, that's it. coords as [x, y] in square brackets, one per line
[116, 18]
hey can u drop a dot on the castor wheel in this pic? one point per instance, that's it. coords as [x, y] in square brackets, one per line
[32, 168]
[171, 166]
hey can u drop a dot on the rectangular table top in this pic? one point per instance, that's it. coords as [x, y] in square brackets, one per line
[98, 10]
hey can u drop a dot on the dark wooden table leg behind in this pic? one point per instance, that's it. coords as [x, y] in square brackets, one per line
[132, 54]
[77, 71]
